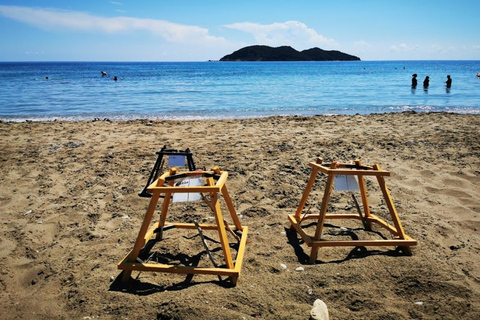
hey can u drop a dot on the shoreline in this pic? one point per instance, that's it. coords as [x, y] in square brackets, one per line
[70, 213]
[192, 118]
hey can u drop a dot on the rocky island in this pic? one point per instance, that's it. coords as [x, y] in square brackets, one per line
[287, 53]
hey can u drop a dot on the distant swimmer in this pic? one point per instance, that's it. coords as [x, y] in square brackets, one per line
[115, 78]
[426, 82]
[46, 78]
[449, 82]
[478, 75]
[104, 73]
[414, 80]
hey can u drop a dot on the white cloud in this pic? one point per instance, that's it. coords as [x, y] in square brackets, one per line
[362, 46]
[291, 33]
[34, 52]
[436, 48]
[402, 48]
[55, 19]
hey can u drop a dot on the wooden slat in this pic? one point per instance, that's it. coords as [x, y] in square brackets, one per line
[353, 172]
[199, 189]
[241, 250]
[221, 181]
[299, 230]
[231, 208]
[390, 205]
[180, 225]
[308, 188]
[175, 269]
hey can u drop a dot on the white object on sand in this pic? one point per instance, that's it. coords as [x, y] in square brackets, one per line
[319, 311]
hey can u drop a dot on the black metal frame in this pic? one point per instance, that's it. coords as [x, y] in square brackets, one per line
[157, 168]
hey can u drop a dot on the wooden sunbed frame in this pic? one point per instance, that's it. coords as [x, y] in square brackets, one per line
[131, 262]
[400, 239]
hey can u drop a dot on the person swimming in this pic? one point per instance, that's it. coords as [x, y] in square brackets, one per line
[115, 78]
[103, 73]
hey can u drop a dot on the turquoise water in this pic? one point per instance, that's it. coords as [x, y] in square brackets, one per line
[217, 90]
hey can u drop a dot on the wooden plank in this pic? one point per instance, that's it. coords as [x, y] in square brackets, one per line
[353, 172]
[149, 233]
[199, 189]
[140, 242]
[179, 225]
[130, 266]
[163, 214]
[221, 181]
[308, 188]
[241, 250]
[160, 181]
[390, 205]
[231, 208]
[324, 207]
[221, 228]
[383, 224]
[299, 230]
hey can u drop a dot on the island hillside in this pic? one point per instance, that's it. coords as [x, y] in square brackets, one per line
[286, 53]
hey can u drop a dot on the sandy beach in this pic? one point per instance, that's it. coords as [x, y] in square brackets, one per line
[70, 212]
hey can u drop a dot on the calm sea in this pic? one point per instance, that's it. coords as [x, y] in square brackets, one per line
[215, 90]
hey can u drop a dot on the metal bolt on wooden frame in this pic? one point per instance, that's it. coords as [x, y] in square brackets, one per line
[165, 185]
[400, 239]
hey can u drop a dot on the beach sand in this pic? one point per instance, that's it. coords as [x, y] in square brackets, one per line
[70, 212]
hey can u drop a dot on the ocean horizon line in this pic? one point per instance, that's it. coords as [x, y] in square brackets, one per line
[218, 60]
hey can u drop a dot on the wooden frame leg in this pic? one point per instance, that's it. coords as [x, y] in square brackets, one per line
[306, 193]
[392, 210]
[222, 231]
[231, 208]
[140, 242]
[321, 218]
[366, 206]
[163, 216]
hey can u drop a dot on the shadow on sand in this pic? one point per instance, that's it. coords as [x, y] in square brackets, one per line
[141, 288]
[357, 253]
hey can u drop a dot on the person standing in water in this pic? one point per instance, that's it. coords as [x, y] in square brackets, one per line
[449, 82]
[426, 82]
[414, 80]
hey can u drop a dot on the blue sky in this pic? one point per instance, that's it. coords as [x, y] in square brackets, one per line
[181, 30]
